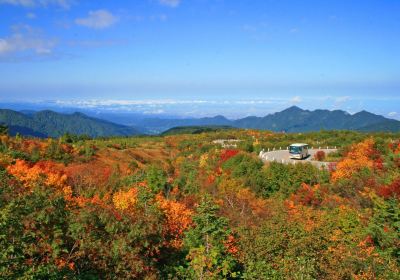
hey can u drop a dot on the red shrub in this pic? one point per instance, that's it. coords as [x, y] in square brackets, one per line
[307, 195]
[320, 155]
[378, 164]
[332, 166]
[210, 179]
[395, 147]
[397, 162]
[392, 190]
[227, 154]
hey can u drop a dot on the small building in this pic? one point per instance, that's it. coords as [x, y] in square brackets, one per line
[227, 143]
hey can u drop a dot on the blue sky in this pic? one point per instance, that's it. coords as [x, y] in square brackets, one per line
[202, 57]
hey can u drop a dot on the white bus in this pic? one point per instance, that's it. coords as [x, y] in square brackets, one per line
[298, 150]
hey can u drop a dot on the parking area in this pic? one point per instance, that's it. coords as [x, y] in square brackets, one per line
[283, 156]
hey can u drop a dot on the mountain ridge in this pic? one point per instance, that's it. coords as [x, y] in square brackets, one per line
[292, 119]
[48, 123]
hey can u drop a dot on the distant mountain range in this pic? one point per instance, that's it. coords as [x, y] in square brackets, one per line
[294, 119]
[52, 124]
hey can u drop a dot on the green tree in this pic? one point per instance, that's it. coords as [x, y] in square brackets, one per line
[188, 177]
[205, 243]
[248, 169]
[116, 245]
[55, 151]
[156, 179]
[33, 226]
[384, 227]
[287, 178]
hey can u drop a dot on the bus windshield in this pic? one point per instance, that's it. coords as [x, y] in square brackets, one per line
[294, 150]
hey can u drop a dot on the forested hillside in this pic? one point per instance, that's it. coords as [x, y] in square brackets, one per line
[52, 124]
[194, 129]
[182, 207]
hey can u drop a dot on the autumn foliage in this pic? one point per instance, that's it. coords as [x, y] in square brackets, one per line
[44, 172]
[362, 155]
[320, 155]
[178, 218]
[391, 190]
[227, 154]
[125, 199]
[308, 195]
[182, 207]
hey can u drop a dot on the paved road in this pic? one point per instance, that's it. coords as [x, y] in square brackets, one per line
[284, 157]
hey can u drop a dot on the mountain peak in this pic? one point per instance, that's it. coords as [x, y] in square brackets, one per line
[364, 113]
[293, 109]
[219, 117]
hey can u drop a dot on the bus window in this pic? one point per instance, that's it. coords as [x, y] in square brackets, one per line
[295, 150]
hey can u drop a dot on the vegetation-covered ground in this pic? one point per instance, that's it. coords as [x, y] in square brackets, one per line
[195, 129]
[181, 207]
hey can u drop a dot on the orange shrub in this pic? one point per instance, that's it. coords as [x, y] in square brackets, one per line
[178, 218]
[123, 200]
[361, 155]
[45, 172]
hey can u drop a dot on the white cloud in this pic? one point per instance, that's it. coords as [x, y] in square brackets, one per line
[342, 99]
[38, 3]
[154, 112]
[392, 114]
[119, 102]
[156, 102]
[170, 3]
[31, 15]
[25, 39]
[295, 100]
[98, 19]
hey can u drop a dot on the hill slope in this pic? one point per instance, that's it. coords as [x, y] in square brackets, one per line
[158, 125]
[49, 123]
[195, 129]
[386, 126]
